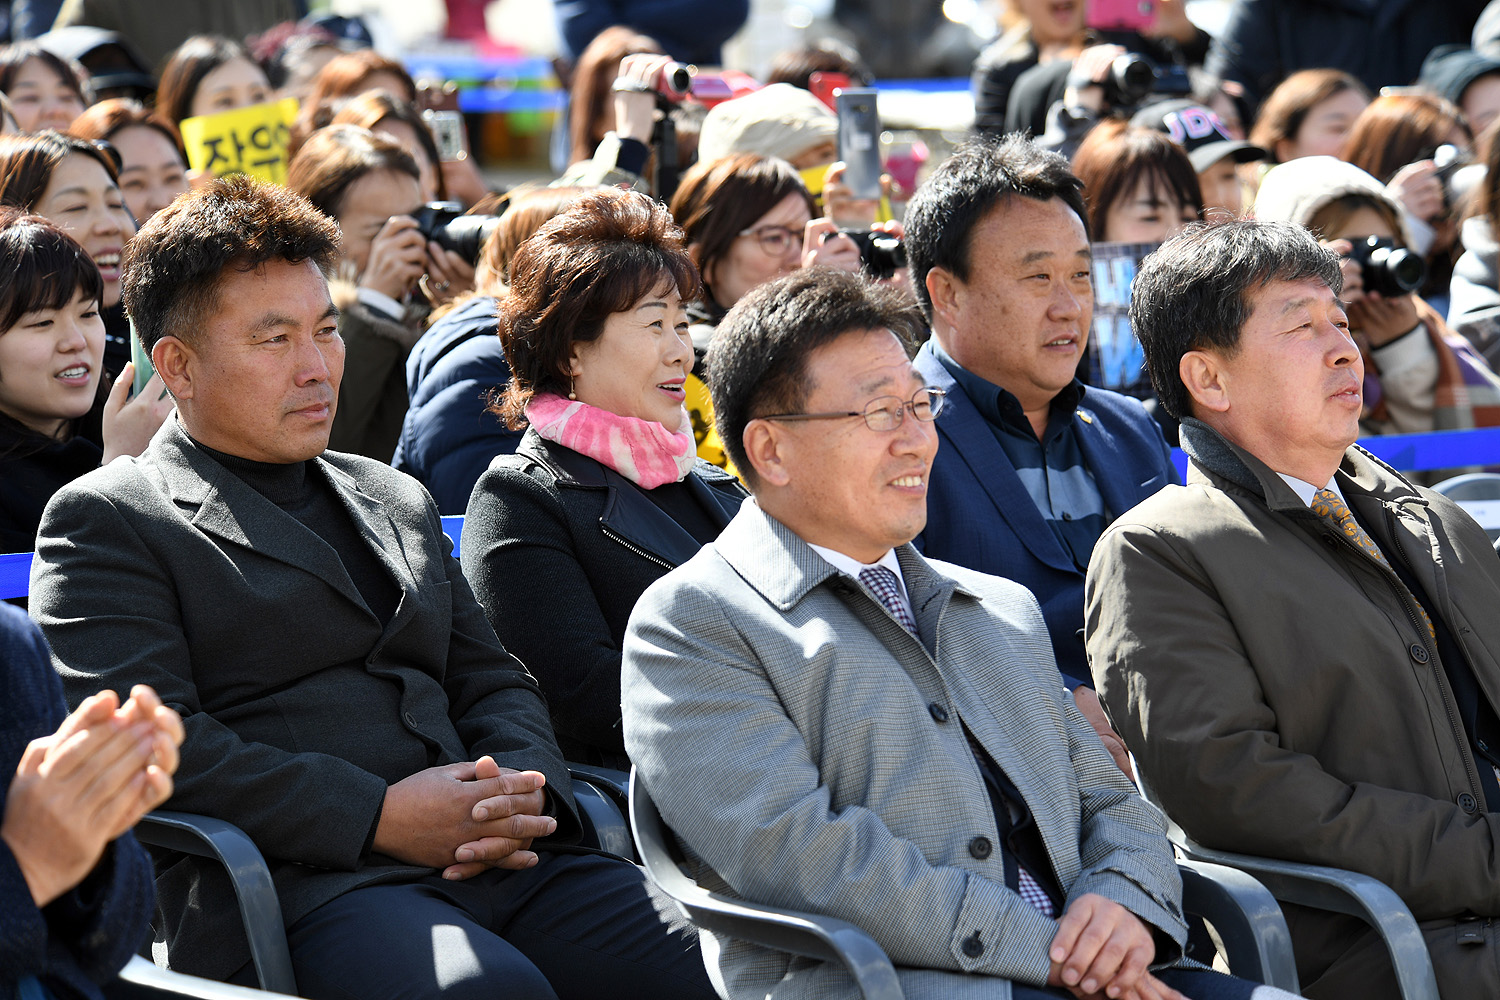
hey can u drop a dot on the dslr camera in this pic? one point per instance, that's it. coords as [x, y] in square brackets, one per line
[445, 223]
[880, 253]
[1388, 269]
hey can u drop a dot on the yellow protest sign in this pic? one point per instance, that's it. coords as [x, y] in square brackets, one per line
[249, 140]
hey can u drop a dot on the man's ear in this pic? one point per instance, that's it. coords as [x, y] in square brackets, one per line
[764, 445]
[946, 292]
[174, 362]
[1203, 374]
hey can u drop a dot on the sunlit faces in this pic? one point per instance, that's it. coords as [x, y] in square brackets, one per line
[837, 483]
[1481, 101]
[82, 200]
[820, 155]
[50, 363]
[261, 379]
[1021, 318]
[1220, 185]
[42, 99]
[366, 206]
[404, 134]
[747, 264]
[235, 83]
[1290, 393]
[152, 172]
[1053, 21]
[1324, 128]
[1148, 214]
[638, 365]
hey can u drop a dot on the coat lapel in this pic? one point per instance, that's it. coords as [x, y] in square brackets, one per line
[628, 515]
[962, 431]
[374, 525]
[1102, 449]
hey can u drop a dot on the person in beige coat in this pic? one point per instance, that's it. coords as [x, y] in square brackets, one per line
[1300, 646]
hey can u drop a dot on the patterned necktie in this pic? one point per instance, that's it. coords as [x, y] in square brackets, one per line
[887, 589]
[1326, 504]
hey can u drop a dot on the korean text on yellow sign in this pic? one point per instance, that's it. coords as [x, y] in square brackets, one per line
[249, 140]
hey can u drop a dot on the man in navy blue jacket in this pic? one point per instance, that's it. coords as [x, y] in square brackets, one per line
[1033, 464]
[75, 887]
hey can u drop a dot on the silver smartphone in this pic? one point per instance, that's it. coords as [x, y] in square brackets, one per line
[447, 128]
[859, 141]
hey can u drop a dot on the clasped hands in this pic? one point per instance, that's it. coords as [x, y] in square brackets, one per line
[78, 789]
[1102, 950]
[464, 818]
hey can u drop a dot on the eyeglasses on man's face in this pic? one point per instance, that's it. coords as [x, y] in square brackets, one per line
[883, 413]
[777, 241]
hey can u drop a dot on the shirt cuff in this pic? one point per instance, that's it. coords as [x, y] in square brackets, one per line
[1406, 351]
[380, 302]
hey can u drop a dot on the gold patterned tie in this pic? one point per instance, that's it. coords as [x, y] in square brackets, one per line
[1326, 504]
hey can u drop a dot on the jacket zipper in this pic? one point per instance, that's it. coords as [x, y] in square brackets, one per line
[1408, 600]
[652, 556]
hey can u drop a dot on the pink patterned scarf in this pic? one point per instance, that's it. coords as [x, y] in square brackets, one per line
[643, 451]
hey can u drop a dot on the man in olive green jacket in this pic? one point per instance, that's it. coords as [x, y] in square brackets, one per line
[1302, 648]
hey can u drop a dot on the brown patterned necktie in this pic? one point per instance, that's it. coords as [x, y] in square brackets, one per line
[1326, 504]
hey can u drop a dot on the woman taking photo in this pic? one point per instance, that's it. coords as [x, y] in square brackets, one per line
[371, 187]
[76, 184]
[58, 418]
[603, 496]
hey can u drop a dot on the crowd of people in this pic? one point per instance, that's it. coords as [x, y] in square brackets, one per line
[847, 516]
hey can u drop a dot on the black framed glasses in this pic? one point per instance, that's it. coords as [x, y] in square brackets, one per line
[883, 413]
[776, 241]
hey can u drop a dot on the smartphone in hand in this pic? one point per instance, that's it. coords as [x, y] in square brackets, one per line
[859, 141]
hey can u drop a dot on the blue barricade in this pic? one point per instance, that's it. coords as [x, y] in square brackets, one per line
[1407, 452]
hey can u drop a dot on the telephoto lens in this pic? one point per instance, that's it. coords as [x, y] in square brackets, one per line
[1388, 269]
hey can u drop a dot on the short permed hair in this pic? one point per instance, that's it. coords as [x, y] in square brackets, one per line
[941, 216]
[609, 250]
[1193, 292]
[757, 363]
[170, 273]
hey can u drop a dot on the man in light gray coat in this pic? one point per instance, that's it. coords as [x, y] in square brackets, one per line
[833, 723]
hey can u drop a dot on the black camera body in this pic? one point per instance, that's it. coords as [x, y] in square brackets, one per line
[1388, 269]
[1130, 79]
[445, 223]
[880, 253]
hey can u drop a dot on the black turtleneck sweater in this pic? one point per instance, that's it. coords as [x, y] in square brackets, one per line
[304, 492]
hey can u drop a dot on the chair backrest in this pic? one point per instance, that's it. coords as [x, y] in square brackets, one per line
[15, 575]
[813, 935]
[1478, 493]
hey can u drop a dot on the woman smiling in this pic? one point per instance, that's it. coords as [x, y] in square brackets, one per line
[603, 495]
[76, 184]
[57, 418]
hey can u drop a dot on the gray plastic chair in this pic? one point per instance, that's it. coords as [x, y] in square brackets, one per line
[140, 980]
[603, 822]
[1478, 493]
[1246, 916]
[1335, 890]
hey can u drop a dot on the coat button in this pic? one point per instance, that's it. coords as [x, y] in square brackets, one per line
[1467, 803]
[1419, 652]
[411, 720]
[972, 946]
[981, 848]
[938, 712]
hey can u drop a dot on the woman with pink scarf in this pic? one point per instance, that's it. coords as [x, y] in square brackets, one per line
[605, 493]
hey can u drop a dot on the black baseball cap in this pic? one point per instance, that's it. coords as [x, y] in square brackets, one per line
[1199, 131]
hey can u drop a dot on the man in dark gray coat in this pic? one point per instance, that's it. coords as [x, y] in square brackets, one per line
[344, 698]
